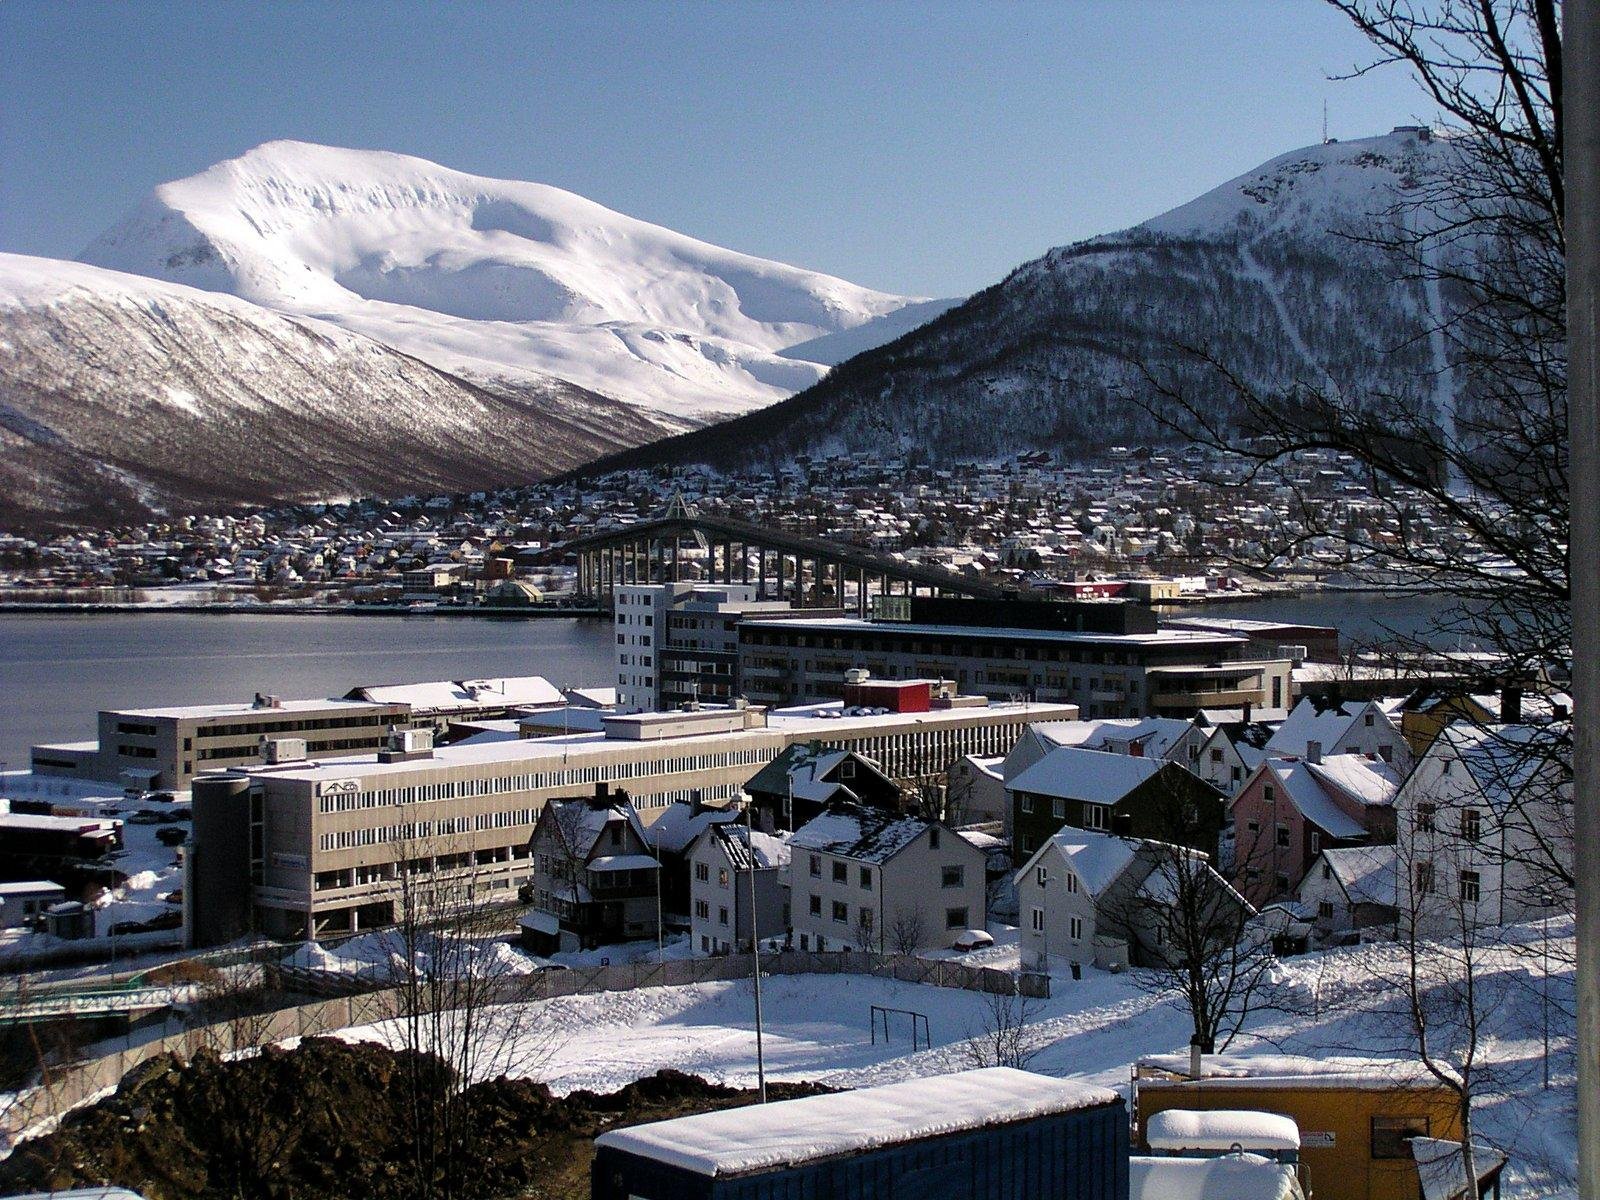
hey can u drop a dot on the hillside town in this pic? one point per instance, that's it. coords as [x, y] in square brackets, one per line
[1207, 521]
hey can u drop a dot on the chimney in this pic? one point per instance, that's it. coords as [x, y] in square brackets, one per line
[1194, 1058]
[1122, 824]
[1313, 752]
[1511, 705]
[1136, 749]
[602, 794]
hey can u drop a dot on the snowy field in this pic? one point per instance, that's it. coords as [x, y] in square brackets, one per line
[817, 1028]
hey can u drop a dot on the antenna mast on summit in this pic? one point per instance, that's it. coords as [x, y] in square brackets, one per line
[1324, 122]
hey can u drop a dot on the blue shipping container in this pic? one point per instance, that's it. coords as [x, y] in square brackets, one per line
[831, 1148]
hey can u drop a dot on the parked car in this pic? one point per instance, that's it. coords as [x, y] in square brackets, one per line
[161, 797]
[973, 939]
[171, 835]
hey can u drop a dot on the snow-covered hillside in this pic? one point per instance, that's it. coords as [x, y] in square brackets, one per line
[1261, 272]
[495, 280]
[121, 396]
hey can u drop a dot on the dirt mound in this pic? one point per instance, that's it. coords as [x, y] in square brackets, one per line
[330, 1120]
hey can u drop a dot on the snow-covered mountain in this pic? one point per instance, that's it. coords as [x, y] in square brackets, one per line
[121, 396]
[494, 280]
[1261, 272]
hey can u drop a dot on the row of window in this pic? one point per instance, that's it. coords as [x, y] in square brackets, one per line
[542, 780]
[1074, 925]
[1095, 816]
[349, 839]
[292, 726]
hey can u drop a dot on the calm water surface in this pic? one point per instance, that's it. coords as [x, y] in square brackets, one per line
[56, 672]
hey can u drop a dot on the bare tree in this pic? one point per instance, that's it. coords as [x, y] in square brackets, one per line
[906, 931]
[864, 932]
[1195, 936]
[1008, 1036]
[458, 988]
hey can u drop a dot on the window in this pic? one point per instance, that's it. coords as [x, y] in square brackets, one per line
[841, 873]
[816, 866]
[1269, 793]
[841, 911]
[722, 916]
[1027, 802]
[702, 872]
[1316, 842]
[1367, 720]
[953, 877]
[1282, 881]
[816, 906]
[1423, 876]
[722, 877]
[866, 879]
[847, 769]
[1237, 774]
[1283, 835]
[1094, 816]
[1471, 824]
[702, 910]
[1058, 808]
[1072, 884]
[1037, 920]
[1253, 826]
[1391, 1136]
[955, 918]
[864, 920]
[1075, 929]
[1471, 889]
[1425, 816]
[1216, 756]
[933, 838]
[1041, 876]
[1325, 911]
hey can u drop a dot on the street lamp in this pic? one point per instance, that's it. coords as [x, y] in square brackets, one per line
[1546, 901]
[755, 948]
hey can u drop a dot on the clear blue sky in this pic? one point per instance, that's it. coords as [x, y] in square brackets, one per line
[924, 148]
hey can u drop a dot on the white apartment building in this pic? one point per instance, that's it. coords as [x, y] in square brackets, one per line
[307, 848]
[721, 861]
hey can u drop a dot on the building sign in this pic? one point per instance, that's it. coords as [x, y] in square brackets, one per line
[891, 608]
[338, 787]
[290, 862]
[1316, 1139]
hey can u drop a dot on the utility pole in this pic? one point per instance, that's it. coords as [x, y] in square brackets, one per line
[755, 947]
[1580, 58]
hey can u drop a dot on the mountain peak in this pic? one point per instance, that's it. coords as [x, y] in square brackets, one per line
[494, 279]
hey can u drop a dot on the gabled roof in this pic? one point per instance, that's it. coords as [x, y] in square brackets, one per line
[1311, 722]
[736, 841]
[1369, 781]
[805, 766]
[1365, 873]
[1096, 858]
[1306, 793]
[1504, 759]
[856, 831]
[679, 824]
[1156, 735]
[1096, 776]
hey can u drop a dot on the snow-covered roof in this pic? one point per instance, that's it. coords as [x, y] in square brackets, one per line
[1097, 776]
[770, 851]
[1155, 735]
[1220, 1129]
[623, 862]
[510, 692]
[1504, 759]
[1305, 792]
[1370, 781]
[1230, 1177]
[679, 824]
[200, 712]
[1096, 858]
[856, 831]
[730, 1142]
[1308, 723]
[1443, 1174]
[32, 887]
[81, 825]
[1366, 873]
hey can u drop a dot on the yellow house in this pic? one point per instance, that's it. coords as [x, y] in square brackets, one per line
[1357, 1121]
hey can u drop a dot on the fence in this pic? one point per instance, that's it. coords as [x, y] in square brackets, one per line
[69, 1087]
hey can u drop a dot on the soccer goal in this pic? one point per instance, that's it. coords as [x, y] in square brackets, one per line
[883, 1017]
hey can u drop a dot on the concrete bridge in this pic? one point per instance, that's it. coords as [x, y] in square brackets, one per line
[810, 572]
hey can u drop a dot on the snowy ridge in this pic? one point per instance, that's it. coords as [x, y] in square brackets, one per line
[492, 279]
[1273, 273]
[122, 396]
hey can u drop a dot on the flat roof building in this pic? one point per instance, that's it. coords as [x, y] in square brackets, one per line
[312, 848]
[1105, 656]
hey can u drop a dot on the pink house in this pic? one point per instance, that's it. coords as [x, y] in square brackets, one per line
[1291, 809]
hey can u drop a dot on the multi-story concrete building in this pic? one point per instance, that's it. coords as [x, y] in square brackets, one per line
[308, 848]
[1107, 657]
[165, 748]
[678, 643]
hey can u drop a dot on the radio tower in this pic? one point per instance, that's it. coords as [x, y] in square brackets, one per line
[1324, 122]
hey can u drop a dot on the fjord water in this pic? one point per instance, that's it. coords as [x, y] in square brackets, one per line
[56, 672]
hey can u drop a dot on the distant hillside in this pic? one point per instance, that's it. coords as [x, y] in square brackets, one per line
[1262, 272]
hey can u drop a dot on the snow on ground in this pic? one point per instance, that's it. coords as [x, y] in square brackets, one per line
[817, 1027]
